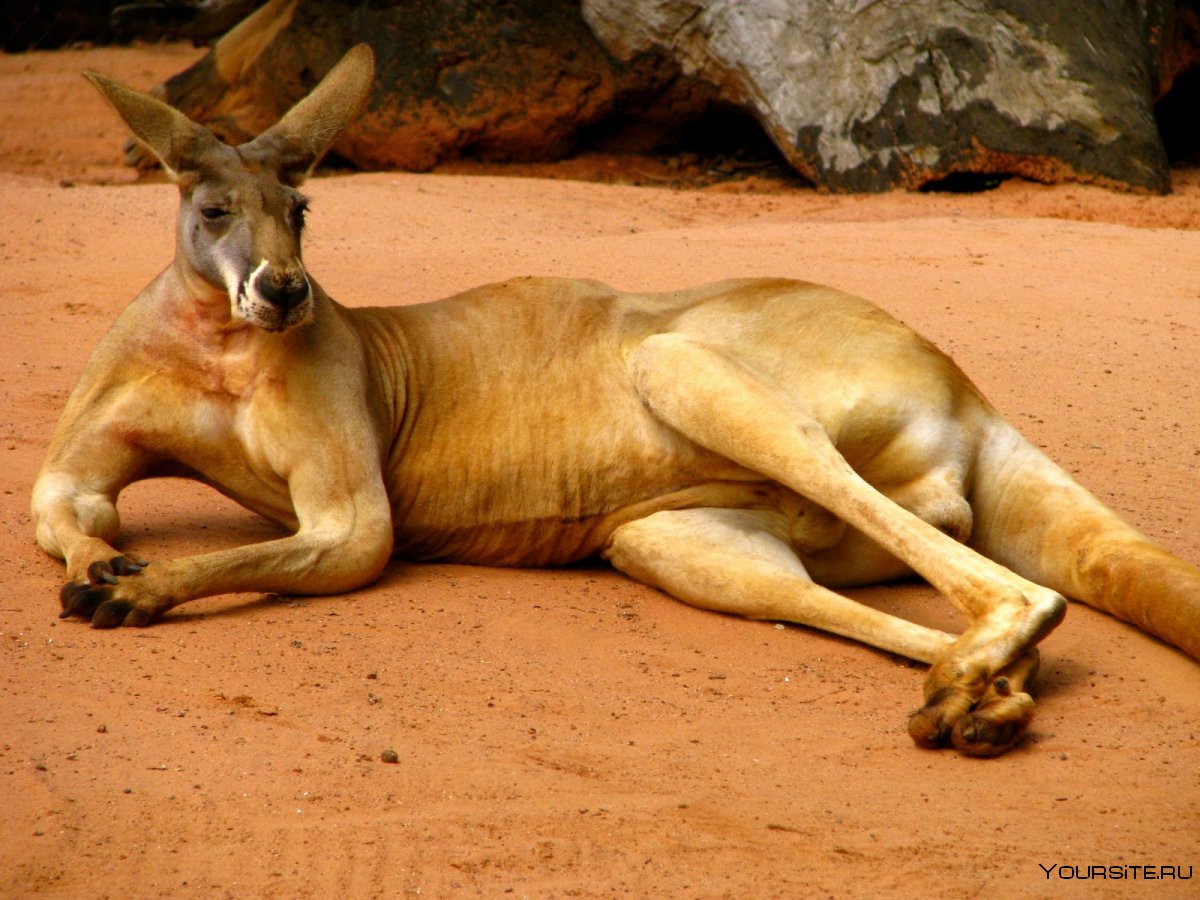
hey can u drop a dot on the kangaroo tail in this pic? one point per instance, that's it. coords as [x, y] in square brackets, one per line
[1032, 517]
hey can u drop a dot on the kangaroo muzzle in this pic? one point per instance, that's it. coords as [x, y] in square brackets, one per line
[282, 288]
[275, 297]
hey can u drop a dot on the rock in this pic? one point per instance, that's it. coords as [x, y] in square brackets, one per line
[200, 20]
[40, 25]
[858, 96]
[901, 93]
[513, 80]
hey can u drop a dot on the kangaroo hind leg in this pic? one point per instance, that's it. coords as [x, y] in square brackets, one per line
[740, 562]
[734, 410]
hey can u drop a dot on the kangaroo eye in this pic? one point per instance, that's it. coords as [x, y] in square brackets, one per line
[298, 212]
[213, 213]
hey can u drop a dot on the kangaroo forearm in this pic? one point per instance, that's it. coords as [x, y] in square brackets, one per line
[299, 564]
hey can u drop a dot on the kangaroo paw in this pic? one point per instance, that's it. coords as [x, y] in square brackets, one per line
[100, 599]
[997, 723]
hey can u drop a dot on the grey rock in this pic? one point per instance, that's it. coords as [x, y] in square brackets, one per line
[866, 95]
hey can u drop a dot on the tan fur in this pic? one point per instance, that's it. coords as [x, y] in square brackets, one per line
[745, 446]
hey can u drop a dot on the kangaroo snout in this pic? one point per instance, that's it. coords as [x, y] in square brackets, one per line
[282, 287]
[274, 297]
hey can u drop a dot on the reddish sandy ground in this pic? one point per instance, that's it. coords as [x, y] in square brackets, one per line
[572, 733]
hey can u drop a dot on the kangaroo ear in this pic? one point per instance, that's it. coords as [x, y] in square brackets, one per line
[296, 143]
[176, 140]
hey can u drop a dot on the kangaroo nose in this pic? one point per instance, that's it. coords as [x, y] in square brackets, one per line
[282, 289]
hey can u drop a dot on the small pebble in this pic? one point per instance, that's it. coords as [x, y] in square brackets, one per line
[390, 756]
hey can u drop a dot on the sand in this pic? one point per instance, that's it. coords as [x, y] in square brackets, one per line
[572, 733]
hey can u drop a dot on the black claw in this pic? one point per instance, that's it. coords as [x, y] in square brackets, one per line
[107, 571]
[137, 618]
[111, 614]
[101, 572]
[81, 598]
[127, 565]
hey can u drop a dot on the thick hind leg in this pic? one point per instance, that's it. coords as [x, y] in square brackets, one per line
[740, 562]
[733, 410]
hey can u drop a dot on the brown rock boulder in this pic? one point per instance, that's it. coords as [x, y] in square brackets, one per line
[512, 80]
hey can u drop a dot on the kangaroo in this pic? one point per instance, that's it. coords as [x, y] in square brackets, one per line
[747, 446]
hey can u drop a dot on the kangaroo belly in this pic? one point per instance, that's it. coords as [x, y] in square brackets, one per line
[558, 539]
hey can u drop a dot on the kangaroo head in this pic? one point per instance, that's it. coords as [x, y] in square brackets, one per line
[241, 213]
